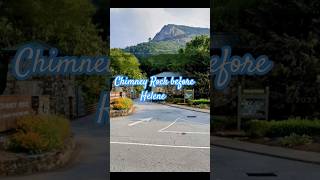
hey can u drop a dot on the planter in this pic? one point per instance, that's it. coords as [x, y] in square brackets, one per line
[19, 164]
[117, 113]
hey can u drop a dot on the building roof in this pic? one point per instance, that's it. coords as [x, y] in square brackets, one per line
[168, 74]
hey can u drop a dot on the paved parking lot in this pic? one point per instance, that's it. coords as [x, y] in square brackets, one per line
[229, 164]
[160, 138]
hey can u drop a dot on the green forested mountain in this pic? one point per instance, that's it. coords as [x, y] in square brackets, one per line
[169, 40]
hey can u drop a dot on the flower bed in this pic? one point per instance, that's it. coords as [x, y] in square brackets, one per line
[22, 163]
[40, 143]
[121, 107]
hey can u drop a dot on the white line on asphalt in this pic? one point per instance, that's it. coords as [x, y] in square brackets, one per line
[169, 125]
[137, 122]
[186, 132]
[161, 145]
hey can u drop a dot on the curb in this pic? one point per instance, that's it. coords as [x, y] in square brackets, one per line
[188, 108]
[272, 151]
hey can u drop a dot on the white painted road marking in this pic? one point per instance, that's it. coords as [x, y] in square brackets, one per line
[161, 145]
[186, 132]
[141, 120]
[161, 130]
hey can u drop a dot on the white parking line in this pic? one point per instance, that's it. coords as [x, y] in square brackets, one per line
[161, 130]
[185, 132]
[137, 122]
[161, 145]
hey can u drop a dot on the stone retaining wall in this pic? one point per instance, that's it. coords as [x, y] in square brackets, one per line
[27, 164]
[117, 113]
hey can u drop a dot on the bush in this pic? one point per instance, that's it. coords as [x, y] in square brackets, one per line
[200, 101]
[203, 106]
[257, 128]
[175, 100]
[300, 127]
[37, 134]
[283, 128]
[122, 103]
[224, 123]
[295, 140]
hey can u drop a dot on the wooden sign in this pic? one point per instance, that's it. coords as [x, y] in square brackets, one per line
[12, 107]
[253, 104]
[188, 94]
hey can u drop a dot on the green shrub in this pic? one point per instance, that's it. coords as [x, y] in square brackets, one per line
[203, 106]
[122, 103]
[200, 101]
[297, 126]
[37, 134]
[223, 123]
[283, 128]
[257, 128]
[295, 140]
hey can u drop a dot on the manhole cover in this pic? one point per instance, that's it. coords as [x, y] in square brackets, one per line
[268, 174]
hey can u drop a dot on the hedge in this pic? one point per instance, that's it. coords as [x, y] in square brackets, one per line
[283, 128]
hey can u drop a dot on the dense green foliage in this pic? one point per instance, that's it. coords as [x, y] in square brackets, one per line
[295, 140]
[66, 25]
[200, 101]
[123, 63]
[283, 128]
[223, 123]
[153, 48]
[163, 62]
[192, 61]
[288, 33]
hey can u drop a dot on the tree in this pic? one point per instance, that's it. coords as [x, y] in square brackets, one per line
[197, 62]
[289, 36]
[66, 25]
[125, 64]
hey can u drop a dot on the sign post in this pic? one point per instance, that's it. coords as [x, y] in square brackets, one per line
[252, 103]
[188, 94]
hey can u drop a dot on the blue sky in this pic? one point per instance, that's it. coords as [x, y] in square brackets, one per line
[130, 26]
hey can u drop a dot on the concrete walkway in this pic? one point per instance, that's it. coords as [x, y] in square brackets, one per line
[280, 152]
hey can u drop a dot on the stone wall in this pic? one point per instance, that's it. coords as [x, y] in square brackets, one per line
[117, 113]
[27, 164]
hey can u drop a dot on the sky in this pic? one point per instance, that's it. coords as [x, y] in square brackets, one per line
[130, 26]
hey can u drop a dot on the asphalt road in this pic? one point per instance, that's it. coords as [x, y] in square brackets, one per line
[90, 161]
[160, 138]
[234, 165]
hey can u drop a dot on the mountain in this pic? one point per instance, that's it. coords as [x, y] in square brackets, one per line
[168, 40]
[179, 33]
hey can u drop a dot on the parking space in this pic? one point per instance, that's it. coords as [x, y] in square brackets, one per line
[160, 138]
